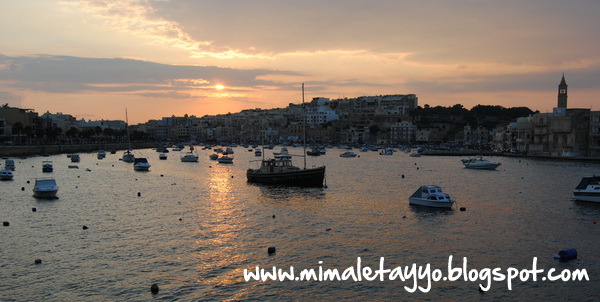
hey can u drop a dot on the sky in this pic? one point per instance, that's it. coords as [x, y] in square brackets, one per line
[158, 58]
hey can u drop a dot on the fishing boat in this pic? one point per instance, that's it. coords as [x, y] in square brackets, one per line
[6, 174]
[480, 163]
[431, 196]
[47, 166]
[283, 154]
[45, 188]
[141, 164]
[588, 189]
[281, 171]
[162, 156]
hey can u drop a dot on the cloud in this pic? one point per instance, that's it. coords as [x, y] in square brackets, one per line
[65, 74]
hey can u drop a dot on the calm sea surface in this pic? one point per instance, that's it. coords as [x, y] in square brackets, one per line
[197, 226]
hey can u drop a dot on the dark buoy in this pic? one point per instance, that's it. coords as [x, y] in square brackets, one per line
[28, 182]
[402, 175]
[139, 194]
[38, 261]
[566, 254]
[22, 188]
[85, 227]
[33, 209]
[404, 217]
[180, 219]
[162, 175]
[78, 176]
[273, 216]
[231, 176]
[328, 229]
[5, 223]
[462, 209]
[154, 288]
[417, 168]
[271, 250]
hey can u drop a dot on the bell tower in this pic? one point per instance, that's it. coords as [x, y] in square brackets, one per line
[562, 93]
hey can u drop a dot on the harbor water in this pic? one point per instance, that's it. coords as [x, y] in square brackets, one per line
[192, 229]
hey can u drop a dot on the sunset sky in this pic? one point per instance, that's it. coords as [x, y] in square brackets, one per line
[157, 58]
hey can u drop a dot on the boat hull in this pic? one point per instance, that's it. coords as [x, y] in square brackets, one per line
[45, 193]
[585, 196]
[301, 178]
[141, 168]
[430, 203]
[482, 166]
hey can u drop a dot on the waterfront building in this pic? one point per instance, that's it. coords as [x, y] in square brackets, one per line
[594, 140]
[403, 133]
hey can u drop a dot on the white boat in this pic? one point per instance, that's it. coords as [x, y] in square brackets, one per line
[189, 158]
[284, 154]
[214, 156]
[6, 175]
[162, 156]
[225, 160]
[45, 188]
[176, 149]
[9, 164]
[348, 154]
[480, 163]
[431, 196]
[141, 164]
[75, 158]
[101, 154]
[588, 189]
[47, 166]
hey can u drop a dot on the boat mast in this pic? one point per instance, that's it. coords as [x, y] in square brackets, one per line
[127, 127]
[304, 126]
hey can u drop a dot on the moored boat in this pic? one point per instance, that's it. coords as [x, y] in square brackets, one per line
[75, 158]
[431, 196]
[47, 166]
[101, 154]
[141, 164]
[282, 172]
[348, 154]
[225, 159]
[6, 175]
[162, 156]
[9, 164]
[480, 163]
[588, 189]
[45, 188]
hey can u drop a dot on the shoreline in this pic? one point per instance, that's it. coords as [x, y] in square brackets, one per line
[14, 151]
[494, 153]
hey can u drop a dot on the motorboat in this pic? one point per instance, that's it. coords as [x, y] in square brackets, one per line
[189, 158]
[322, 151]
[6, 175]
[214, 156]
[75, 158]
[228, 151]
[9, 164]
[101, 154]
[45, 188]
[314, 152]
[431, 196]
[415, 154]
[387, 152]
[480, 163]
[348, 154]
[257, 152]
[225, 159]
[128, 157]
[176, 149]
[284, 154]
[141, 164]
[588, 189]
[47, 166]
[162, 156]
[162, 149]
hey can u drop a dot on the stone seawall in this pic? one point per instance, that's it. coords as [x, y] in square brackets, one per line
[58, 149]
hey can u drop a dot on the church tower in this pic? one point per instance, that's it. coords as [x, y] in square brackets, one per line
[562, 93]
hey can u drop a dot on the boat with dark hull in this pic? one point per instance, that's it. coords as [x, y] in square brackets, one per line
[282, 172]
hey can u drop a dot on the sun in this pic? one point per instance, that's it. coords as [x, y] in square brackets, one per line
[219, 87]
